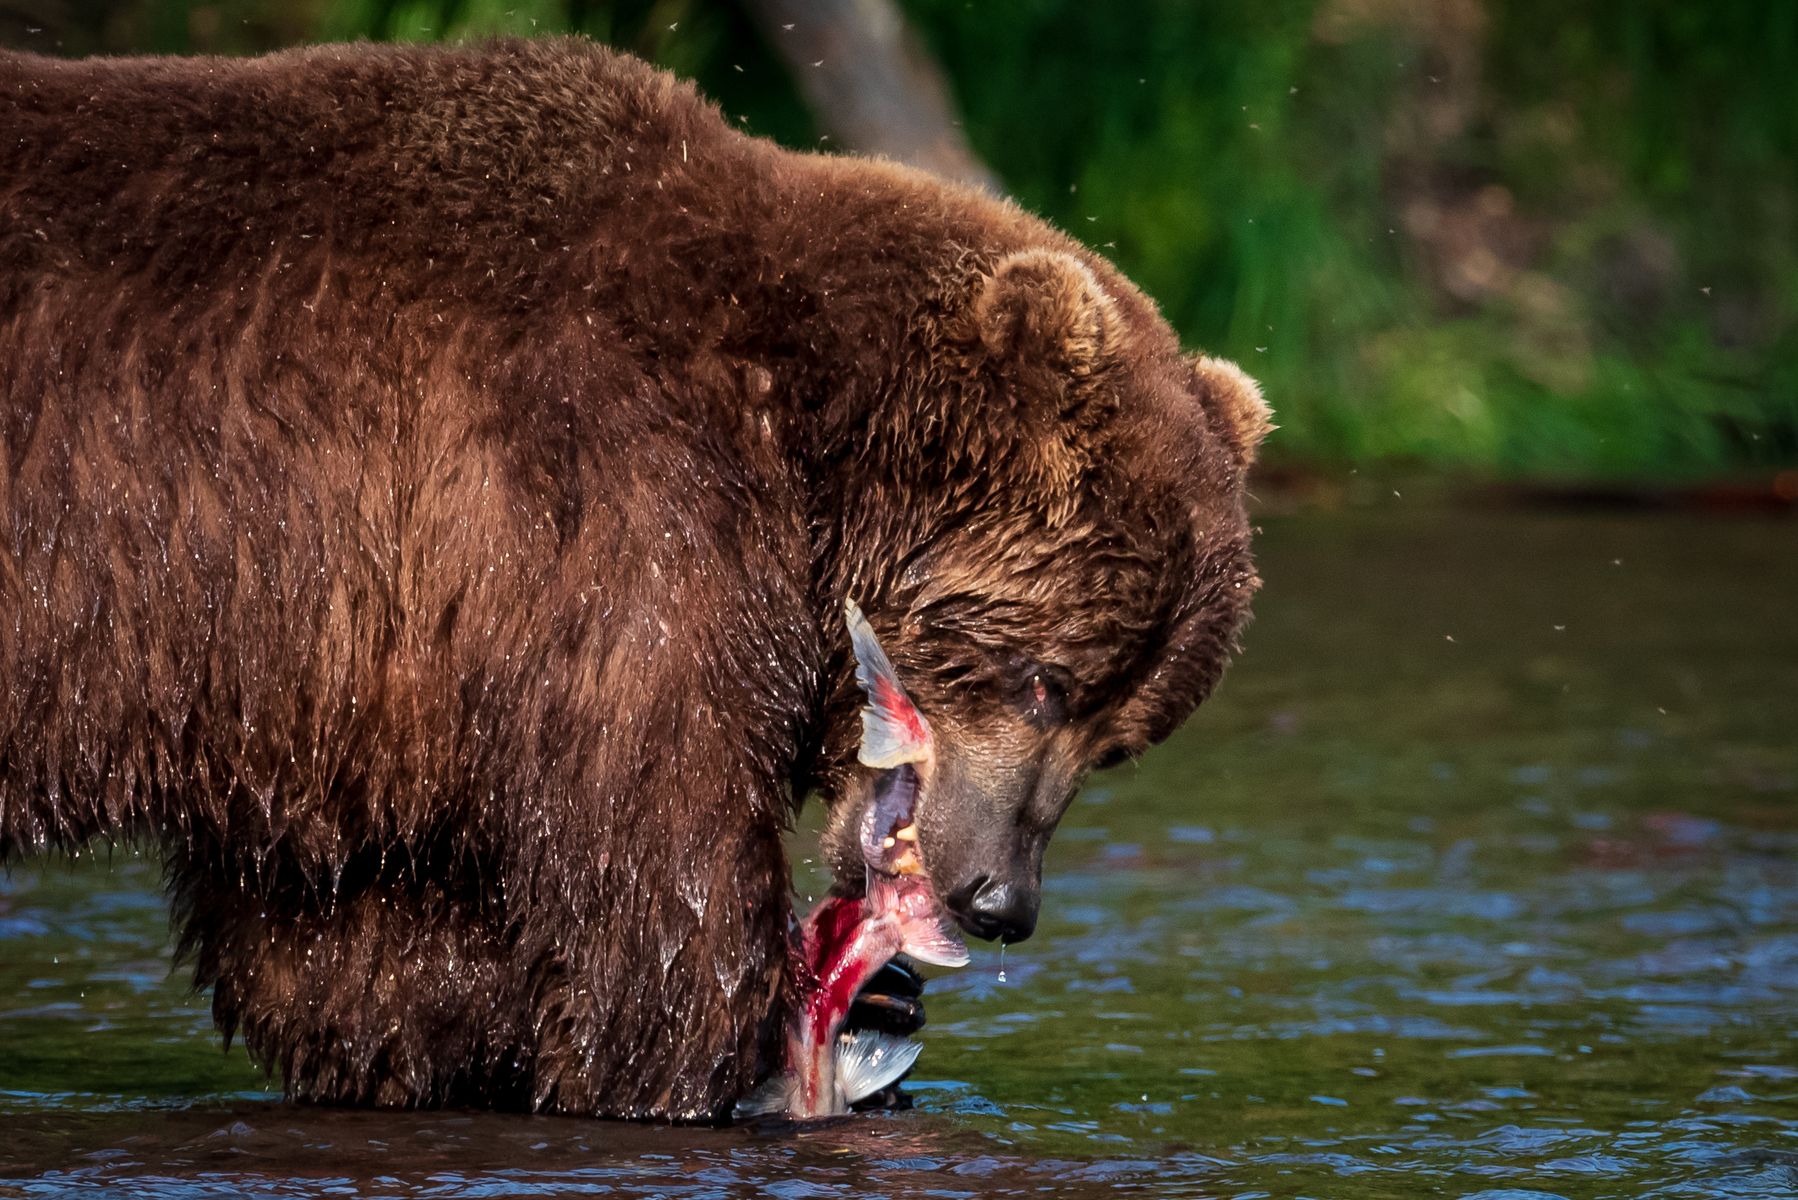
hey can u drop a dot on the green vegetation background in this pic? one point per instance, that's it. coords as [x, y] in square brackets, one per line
[1518, 236]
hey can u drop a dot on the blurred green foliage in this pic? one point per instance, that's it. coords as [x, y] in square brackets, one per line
[1519, 235]
[1514, 235]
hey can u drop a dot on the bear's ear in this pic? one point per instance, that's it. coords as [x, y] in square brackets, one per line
[1235, 406]
[1047, 306]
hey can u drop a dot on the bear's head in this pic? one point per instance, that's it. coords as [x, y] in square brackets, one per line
[1043, 520]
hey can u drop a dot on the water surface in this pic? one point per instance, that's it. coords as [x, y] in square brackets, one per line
[1479, 878]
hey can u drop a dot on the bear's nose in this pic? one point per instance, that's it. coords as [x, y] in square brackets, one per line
[995, 908]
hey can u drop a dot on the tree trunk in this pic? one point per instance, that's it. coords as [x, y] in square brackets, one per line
[870, 82]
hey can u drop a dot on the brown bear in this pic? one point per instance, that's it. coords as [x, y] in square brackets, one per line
[430, 481]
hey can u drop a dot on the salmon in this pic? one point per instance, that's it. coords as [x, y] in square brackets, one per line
[845, 940]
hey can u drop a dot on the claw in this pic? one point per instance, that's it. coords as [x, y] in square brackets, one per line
[893, 1014]
[898, 977]
[892, 1001]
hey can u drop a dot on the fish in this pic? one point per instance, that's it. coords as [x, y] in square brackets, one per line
[845, 940]
[849, 940]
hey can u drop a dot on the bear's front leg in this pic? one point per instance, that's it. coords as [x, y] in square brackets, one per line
[611, 984]
[388, 993]
[664, 993]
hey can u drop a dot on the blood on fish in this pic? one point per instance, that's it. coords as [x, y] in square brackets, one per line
[892, 698]
[845, 941]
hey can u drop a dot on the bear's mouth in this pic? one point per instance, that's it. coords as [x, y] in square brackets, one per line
[889, 825]
[897, 885]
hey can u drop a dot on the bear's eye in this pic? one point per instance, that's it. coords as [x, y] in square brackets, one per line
[1043, 693]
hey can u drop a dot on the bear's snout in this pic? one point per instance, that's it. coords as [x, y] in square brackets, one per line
[989, 908]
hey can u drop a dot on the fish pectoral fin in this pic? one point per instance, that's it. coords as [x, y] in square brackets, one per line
[868, 1062]
[772, 1097]
[930, 942]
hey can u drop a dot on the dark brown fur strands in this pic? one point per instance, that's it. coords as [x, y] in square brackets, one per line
[428, 483]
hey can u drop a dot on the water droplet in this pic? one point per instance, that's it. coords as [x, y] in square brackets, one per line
[1001, 962]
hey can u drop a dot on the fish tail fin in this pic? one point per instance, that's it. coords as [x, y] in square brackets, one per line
[894, 732]
[868, 1062]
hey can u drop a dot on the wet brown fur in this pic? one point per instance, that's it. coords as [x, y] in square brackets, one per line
[428, 484]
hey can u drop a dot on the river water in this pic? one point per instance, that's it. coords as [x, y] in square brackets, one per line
[1479, 878]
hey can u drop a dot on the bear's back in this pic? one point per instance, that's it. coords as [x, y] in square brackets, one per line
[191, 170]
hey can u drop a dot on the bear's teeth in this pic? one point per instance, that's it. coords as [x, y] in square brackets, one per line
[908, 834]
